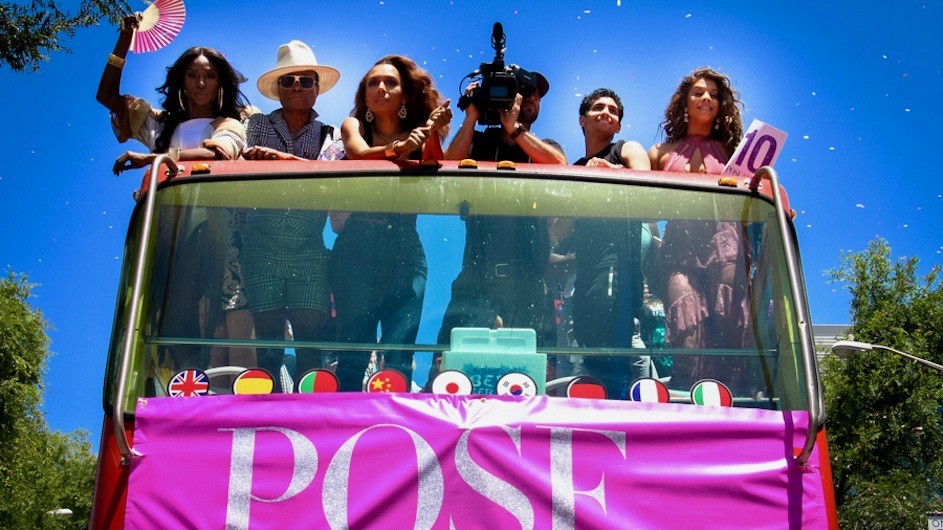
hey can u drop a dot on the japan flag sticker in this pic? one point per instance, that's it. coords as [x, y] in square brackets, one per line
[452, 382]
[516, 384]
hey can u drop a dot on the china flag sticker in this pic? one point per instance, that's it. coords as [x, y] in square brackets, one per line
[516, 384]
[452, 382]
[387, 381]
[253, 381]
[711, 393]
[188, 383]
[317, 381]
[585, 386]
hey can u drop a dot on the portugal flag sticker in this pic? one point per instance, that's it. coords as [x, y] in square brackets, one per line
[516, 384]
[648, 390]
[452, 382]
[585, 386]
[387, 381]
[711, 393]
[188, 383]
[317, 381]
[253, 381]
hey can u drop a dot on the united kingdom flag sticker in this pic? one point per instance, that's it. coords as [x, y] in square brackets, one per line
[711, 393]
[188, 383]
[452, 382]
[516, 384]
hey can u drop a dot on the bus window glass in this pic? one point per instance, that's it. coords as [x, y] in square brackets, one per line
[355, 275]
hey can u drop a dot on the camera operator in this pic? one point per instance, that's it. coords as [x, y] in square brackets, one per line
[501, 283]
[513, 140]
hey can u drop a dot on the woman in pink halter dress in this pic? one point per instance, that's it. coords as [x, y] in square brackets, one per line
[703, 265]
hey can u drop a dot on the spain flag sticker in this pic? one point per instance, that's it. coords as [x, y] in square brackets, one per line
[317, 381]
[253, 381]
[648, 390]
[711, 393]
[516, 384]
[585, 386]
[387, 381]
[452, 382]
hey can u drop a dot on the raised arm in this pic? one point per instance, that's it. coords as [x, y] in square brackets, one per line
[109, 88]
[538, 150]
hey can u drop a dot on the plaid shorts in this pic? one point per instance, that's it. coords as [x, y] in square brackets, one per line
[284, 261]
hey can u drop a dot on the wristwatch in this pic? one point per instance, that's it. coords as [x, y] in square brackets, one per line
[518, 130]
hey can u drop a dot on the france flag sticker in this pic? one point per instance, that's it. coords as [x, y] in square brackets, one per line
[711, 393]
[648, 390]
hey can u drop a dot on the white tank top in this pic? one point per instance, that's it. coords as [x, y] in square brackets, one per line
[191, 133]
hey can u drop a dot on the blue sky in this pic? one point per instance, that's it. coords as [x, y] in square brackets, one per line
[852, 83]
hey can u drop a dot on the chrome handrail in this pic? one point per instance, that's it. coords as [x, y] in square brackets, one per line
[121, 438]
[814, 391]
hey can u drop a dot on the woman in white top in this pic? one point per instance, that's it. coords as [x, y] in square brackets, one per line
[202, 111]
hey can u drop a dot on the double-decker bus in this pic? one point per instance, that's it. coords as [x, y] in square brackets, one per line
[616, 408]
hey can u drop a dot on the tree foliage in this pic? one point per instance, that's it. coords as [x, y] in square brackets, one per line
[885, 413]
[30, 31]
[39, 470]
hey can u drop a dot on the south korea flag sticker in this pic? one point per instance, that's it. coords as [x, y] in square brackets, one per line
[516, 384]
[452, 382]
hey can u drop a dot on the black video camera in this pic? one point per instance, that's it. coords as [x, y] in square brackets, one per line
[498, 83]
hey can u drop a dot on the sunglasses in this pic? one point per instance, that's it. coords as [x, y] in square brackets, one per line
[288, 81]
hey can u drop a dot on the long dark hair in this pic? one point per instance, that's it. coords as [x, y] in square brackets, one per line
[418, 88]
[730, 125]
[234, 101]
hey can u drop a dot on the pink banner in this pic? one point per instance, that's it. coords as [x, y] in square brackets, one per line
[432, 461]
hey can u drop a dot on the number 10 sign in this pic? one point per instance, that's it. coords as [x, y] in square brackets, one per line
[760, 147]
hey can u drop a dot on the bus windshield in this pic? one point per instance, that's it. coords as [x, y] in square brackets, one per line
[613, 284]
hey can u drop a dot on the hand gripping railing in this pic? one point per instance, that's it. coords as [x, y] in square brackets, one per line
[814, 392]
[121, 437]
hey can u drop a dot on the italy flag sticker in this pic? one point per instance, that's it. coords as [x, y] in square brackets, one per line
[711, 393]
[648, 390]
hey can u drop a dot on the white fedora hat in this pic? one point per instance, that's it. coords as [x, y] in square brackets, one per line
[293, 57]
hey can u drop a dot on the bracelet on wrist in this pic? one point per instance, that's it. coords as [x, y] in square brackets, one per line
[114, 60]
[390, 151]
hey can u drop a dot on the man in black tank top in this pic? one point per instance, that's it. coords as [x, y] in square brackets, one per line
[501, 283]
[607, 293]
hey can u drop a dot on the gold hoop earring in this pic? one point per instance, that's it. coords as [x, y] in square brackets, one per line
[402, 111]
[180, 99]
[368, 116]
[220, 99]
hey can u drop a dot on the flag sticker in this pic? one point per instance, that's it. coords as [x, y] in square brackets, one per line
[648, 390]
[452, 382]
[585, 386]
[253, 381]
[317, 381]
[388, 380]
[516, 384]
[188, 383]
[711, 393]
